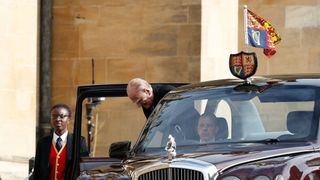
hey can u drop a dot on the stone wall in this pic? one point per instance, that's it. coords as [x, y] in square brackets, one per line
[151, 39]
[158, 40]
[219, 37]
[18, 89]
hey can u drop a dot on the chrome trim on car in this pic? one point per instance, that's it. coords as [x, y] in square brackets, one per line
[265, 157]
[183, 166]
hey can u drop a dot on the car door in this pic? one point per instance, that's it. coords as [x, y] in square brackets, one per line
[103, 115]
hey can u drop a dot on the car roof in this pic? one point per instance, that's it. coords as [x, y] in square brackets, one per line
[268, 79]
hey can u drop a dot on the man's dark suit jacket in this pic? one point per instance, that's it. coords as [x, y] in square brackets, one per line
[41, 164]
[158, 93]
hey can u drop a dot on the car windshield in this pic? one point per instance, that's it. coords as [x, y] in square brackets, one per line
[253, 114]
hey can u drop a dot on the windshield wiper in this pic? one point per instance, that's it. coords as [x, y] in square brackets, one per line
[265, 141]
[268, 141]
[271, 140]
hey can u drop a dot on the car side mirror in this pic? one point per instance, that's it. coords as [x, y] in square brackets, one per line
[119, 149]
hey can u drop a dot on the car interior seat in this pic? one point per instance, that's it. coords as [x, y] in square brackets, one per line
[223, 131]
[299, 122]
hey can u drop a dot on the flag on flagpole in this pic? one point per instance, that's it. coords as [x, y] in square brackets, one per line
[261, 34]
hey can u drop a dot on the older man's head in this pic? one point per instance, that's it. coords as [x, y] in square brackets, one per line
[140, 92]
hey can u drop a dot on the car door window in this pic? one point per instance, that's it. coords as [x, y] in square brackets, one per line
[106, 120]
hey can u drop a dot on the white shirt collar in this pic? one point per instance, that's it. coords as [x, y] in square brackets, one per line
[63, 137]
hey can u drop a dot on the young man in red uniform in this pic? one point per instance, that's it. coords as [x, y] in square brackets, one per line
[53, 153]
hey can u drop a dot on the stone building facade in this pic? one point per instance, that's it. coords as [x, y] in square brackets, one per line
[18, 85]
[155, 40]
[161, 41]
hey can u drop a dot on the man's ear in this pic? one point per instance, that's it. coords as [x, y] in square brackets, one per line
[68, 121]
[148, 91]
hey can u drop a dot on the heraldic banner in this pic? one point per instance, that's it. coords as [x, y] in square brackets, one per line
[261, 34]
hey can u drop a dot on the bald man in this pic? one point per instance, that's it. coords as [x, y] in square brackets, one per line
[146, 96]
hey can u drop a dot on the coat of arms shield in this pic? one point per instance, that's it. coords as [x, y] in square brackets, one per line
[243, 64]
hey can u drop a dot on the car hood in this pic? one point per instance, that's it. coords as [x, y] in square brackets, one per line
[217, 160]
[225, 159]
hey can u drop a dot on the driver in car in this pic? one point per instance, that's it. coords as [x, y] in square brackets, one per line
[207, 128]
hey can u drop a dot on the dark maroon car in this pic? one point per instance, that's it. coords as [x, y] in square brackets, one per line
[267, 129]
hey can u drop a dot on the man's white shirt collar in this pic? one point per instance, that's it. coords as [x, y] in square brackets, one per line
[63, 137]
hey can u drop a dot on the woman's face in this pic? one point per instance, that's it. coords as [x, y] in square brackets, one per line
[207, 129]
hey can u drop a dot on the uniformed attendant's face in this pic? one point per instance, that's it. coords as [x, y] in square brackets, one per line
[60, 119]
[142, 97]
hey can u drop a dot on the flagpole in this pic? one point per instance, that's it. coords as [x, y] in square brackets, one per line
[246, 38]
[245, 20]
